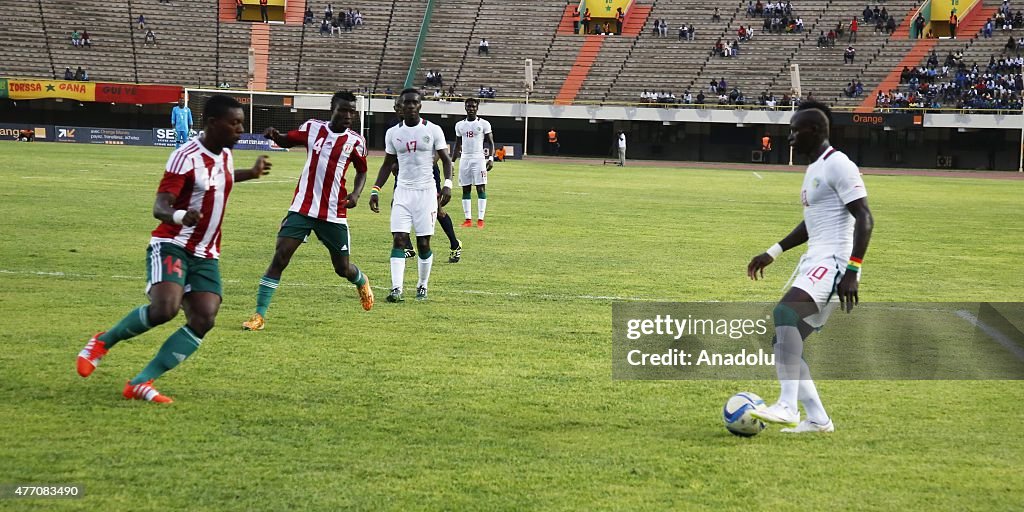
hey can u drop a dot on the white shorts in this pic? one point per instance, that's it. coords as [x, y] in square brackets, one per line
[473, 171]
[414, 209]
[819, 276]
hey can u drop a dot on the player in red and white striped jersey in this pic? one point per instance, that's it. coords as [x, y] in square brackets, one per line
[321, 200]
[182, 263]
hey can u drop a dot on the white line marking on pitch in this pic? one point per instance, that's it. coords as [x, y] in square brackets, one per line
[758, 176]
[318, 285]
[993, 333]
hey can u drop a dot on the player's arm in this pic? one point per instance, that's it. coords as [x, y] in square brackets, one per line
[390, 161]
[260, 168]
[795, 238]
[457, 152]
[285, 141]
[163, 210]
[358, 159]
[864, 224]
[446, 187]
[490, 159]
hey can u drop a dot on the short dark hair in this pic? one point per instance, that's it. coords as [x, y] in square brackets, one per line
[473, 100]
[410, 89]
[342, 96]
[218, 106]
[817, 105]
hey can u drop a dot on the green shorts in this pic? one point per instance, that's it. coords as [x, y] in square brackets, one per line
[334, 236]
[168, 262]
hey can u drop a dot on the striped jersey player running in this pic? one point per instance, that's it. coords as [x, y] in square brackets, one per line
[837, 227]
[182, 263]
[321, 200]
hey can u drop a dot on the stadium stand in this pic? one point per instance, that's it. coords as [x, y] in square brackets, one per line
[202, 45]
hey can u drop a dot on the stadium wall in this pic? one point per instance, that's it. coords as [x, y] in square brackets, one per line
[988, 142]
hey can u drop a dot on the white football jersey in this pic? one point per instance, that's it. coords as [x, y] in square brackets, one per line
[473, 134]
[831, 182]
[415, 147]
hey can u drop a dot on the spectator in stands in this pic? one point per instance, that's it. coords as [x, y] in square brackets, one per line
[150, 38]
[716, 16]
[683, 32]
[822, 40]
[80, 74]
[953, 21]
[76, 39]
[849, 54]
[586, 21]
[328, 12]
[691, 33]
[890, 26]
[358, 18]
[263, 11]
[664, 28]
[307, 19]
[325, 27]
[239, 7]
[484, 48]
[867, 14]
[576, 19]
[142, 22]
[700, 98]
[68, 74]
[879, 25]
[722, 86]
[919, 24]
[86, 39]
[831, 38]
[853, 31]
[1010, 45]
[750, 8]
[620, 18]
[336, 24]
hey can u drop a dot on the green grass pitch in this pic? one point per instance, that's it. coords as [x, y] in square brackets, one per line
[496, 394]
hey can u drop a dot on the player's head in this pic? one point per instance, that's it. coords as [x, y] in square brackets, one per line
[411, 101]
[181, 102]
[224, 120]
[472, 104]
[343, 110]
[809, 128]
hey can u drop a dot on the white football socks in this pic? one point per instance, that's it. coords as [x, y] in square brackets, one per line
[467, 208]
[789, 347]
[481, 206]
[397, 272]
[809, 396]
[424, 268]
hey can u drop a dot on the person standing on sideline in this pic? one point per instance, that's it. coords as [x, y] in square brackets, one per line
[766, 149]
[622, 148]
[553, 145]
[263, 11]
[181, 120]
[411, 145]
[321, 201]
[182, 263]
[837, 227]
[474, 142]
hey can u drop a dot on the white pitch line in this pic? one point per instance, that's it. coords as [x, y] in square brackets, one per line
[758, 176]
[546, 296]
[993, 333]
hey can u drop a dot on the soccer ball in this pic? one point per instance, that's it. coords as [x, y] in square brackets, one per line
[736, 414]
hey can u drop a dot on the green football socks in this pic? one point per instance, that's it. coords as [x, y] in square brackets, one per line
[176, 349]
[134, 324]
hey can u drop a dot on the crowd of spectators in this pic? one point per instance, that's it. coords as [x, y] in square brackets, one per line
[996, 86]
[79, 74]
[331, 23]
[486, 92]
[720, 93]
[434, 79]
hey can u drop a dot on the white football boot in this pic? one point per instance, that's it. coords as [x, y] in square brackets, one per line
[806, 426]
[780, 414]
